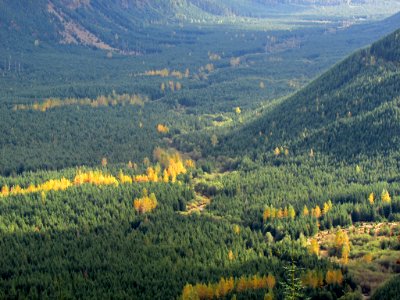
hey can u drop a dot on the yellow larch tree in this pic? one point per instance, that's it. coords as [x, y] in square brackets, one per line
[385, 196]
[327, 207]
[124, 178]
[371, 198]
[162, 128]
[266, 214]
[231, 256]
[334, 277]
[305, 211]
[271, 281]
[165, 176]
[5, 191]
[342, 244]
[291, 212]
[317, 212]
[313, 248]
[145, 203]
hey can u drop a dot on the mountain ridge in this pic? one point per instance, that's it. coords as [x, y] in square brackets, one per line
[357, 97]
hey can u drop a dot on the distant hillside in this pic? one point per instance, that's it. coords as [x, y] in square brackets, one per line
[352, 109]
[123, 25]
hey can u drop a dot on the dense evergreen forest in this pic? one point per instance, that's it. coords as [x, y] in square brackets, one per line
[357, 100]
[195, 149]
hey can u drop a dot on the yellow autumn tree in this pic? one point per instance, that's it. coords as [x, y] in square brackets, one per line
[189, 163]
[317, 212]
[371, 198]
[241, 285]
[291, 212]
[327, 207]
[305, 211]
[270, 281]
[277, 151]
[124, 178]
[189, 293]
[266, 214]
[152, 174]
[146, 203]
[342, 244]
[165, 176]
[162, 128]
[385, 196]
[5, 191]
[313, 248]
[334, 277]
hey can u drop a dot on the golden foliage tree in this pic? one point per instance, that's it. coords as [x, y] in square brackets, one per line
[305, 211]
[327, 207]
[271, 281]
[317, 212]
[334, 277]
[342, 244]
[313, 248]
[162, 128]
[146, 203]
[371, 198]
[385, 196]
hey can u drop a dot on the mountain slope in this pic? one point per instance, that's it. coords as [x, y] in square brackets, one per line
[352, 109]
[123, 25]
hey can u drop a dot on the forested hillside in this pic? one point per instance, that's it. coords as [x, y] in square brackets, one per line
[351, 110]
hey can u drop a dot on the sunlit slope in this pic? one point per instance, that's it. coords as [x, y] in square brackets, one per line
[352, 109]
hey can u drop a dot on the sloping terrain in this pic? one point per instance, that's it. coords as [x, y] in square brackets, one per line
[350, 110]
[118, 25]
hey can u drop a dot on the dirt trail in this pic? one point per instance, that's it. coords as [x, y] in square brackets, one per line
[198, 204]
